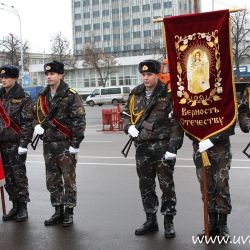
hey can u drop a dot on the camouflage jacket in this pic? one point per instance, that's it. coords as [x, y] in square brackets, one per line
[159, 125]
[20, 109]
[244, 111]
[70, 114]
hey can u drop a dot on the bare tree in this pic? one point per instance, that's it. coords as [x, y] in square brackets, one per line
[60, 50]
[10, 50]
[102, 62]
[241, 38]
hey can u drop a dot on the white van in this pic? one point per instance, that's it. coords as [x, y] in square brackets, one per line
[107, 95]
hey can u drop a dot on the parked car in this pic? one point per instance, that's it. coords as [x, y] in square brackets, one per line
[108, 95]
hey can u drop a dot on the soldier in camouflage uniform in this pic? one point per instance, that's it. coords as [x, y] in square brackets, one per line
[16, 130]
[244, 111]
[219, 203]
[156, 147]
[61, 141]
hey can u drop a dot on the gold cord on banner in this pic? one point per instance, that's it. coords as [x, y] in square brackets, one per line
[132, 111]
[205, 159]
[248, 97]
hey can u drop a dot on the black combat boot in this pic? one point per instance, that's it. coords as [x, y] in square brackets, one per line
[149, 226]
[22, 212]
[57, 217]
[213, 226]
[68, 217]
[169, 226]
[12, 213]
[223, 229]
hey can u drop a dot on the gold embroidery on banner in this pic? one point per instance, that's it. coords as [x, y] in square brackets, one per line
[198, 57]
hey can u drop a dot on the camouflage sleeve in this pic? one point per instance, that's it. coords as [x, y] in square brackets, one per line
[27, 116]
[126, 117]
[244, 112]
[223, 135]
[78, 121]
[176, 136]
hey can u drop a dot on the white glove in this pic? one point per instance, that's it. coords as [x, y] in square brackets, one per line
[22, 151]
[73, 150]
[169, 156]
[39, 130]
[132, 130]
[204, 145]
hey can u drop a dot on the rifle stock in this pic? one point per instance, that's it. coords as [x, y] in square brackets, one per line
[245, 150]
[127, 147]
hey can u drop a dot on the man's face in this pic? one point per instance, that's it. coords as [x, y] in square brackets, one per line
[53, 78]
[8, 82]
[150, 80]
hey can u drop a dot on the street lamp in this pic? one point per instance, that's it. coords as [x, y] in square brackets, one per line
[13, 10]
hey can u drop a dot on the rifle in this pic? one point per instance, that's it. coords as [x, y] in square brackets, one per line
[245, 150]
[138, 126]
[48, 118]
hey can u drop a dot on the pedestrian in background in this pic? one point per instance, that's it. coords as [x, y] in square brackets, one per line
[156, 146]
[16, 130]
[61, 141]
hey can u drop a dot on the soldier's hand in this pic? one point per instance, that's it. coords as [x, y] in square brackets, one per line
[39, 130]
[204, 145]
[22, 151]
[73, 150]
[132, 130]
[169, 156]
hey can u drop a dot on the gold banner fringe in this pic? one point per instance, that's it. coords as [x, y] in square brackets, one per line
[205, 159]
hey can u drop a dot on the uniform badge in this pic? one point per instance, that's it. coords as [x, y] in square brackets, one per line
[145, 67]
[81, 110]
[2, 71]
[48, 67]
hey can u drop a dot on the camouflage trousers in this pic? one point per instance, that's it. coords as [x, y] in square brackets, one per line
[150, 163]
[220, 156]
[60, 173]
[15, 172]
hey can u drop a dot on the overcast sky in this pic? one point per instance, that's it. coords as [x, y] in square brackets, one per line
[42, 19]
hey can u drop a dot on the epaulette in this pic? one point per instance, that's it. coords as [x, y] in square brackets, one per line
[72, 90]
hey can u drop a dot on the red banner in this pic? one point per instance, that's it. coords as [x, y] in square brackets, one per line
[2, 177]
[200, 61]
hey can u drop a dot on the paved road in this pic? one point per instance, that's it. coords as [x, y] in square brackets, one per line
[109, 206]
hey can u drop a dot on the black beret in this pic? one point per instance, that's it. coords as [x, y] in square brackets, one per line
[9, 71]
[54, 66]
[151, 66]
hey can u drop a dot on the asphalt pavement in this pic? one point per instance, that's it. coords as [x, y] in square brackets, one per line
[109, 206]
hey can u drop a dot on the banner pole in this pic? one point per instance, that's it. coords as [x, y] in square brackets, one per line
[160, 19]
[3, 201]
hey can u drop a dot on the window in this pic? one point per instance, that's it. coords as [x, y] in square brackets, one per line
[126, 90]
[136, 34]
[96, 26]
[146, 7]
[137, 47]
[116, 36]
[77, 16]
[97, 38]
[87, 27]
[96, 13]
[85, 2]
[108, 91]
[136, 21]
[87, 39]
[156, 6]
[106, 38]
[115, 11]
[77, 4]
[146, 20]
[125, 9]
[86, 15]
[126, 22]
[168, 5]
[158, 32]
[96, 92]
[78, 28]
[116, 23]
[127, 47]
[105, 12]
[95, 2]
[126, 35]
[117, 48]
[107, 49]
[136, 8]
[78, 40]
[105, 1]
[106, 25]
[147, 33]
